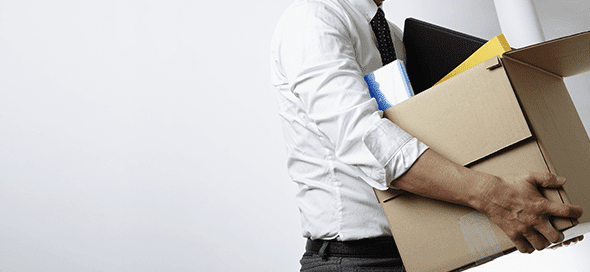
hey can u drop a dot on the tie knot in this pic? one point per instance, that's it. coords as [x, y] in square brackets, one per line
[380, 15]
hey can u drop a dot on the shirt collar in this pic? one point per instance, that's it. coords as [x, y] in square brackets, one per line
[367, 8]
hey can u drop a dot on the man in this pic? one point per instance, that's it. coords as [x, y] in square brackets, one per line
[340, 148]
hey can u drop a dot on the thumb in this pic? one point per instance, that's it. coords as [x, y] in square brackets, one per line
[546, 179]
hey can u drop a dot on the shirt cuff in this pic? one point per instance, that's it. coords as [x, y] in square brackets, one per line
[394, 149]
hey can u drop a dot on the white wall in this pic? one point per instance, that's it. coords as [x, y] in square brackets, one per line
[143, 135]
[476, 18]
[134, 136]
[562, 18]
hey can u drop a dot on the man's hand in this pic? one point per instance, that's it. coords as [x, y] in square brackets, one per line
[515, 204]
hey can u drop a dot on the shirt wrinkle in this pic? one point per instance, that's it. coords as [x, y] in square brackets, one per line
[399, 150]
[334, 135]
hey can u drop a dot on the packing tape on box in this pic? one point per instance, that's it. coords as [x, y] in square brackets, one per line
[479, 236]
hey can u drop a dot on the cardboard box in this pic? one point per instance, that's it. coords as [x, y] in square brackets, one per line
[503, 116]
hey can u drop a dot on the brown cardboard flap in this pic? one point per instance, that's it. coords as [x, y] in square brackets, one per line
[384, 196]
[467, 117]
[557, 125]
[564, 57]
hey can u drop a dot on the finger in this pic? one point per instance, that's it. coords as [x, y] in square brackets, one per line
[573, 241]
[567, 243]
[546, 179]
[523, 246]
[549, 232]
[564, 210]
[556, 246]
[536, 240]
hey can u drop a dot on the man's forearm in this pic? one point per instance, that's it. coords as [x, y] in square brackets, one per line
[436, 177]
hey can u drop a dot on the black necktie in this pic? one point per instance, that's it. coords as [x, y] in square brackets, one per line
[384, 42]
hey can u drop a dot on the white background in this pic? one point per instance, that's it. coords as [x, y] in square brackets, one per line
[143, 135]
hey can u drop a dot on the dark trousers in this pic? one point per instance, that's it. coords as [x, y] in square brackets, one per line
[376, 254]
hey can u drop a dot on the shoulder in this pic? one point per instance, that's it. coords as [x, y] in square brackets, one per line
[310, 12]
[309, 21]
[329, 6]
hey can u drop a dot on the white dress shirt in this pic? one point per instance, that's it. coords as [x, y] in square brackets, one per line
[338, 145]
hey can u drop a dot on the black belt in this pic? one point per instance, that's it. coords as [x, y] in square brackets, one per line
[380, 247]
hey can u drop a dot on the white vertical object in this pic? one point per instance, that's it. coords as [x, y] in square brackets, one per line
[519, 22]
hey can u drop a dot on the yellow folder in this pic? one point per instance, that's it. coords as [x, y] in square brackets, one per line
[494, 47]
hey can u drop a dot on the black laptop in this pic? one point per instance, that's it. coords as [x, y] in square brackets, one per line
[433, 51]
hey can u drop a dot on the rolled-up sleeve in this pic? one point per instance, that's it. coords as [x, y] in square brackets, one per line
[393, 148]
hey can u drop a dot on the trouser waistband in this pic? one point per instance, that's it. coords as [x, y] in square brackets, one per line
[380, 247]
